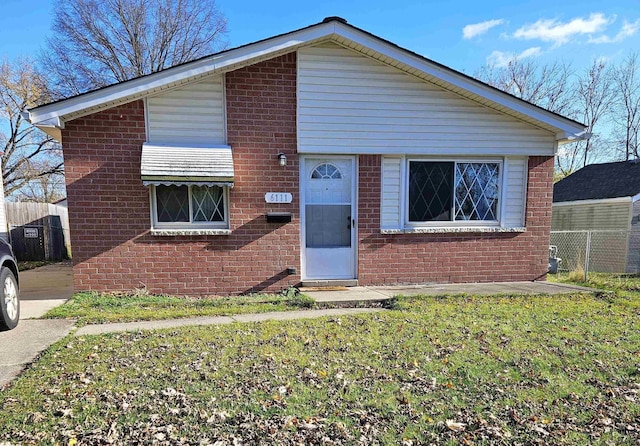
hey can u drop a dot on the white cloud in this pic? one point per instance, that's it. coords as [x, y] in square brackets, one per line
[552, 30]
[471, 31]
[627, 30]
[502, 58]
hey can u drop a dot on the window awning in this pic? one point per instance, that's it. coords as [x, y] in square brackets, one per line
[202, 166]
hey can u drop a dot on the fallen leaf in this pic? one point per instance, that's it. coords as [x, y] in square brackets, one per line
[456, 427]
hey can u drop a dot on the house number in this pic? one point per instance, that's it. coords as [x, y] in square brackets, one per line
[278, 197]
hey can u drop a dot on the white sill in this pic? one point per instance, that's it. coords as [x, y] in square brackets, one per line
[173, 232]
[451, 230]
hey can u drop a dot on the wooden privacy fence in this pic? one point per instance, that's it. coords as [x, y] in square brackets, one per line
[38, 231]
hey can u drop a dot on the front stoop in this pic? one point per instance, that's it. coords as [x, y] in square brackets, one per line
[329, 283]
[340, 296]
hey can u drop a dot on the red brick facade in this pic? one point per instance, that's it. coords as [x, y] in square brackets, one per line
[463, 257]
[109, 209]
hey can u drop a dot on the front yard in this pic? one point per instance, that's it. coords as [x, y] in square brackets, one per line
[444, 370]
[96, 308]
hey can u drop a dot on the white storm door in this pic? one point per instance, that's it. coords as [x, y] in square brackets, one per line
[328, 207]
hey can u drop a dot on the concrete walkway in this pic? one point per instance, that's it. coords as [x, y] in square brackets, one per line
[382, 293]
[218, 320]
[41, 289]
[24, 343]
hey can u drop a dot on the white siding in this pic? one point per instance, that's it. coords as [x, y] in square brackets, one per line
[391, 206]
[603, 215]
[348, 103]
[194, 114]
[514, 196]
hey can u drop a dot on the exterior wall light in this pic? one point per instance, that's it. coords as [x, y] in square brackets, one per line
[282, 159]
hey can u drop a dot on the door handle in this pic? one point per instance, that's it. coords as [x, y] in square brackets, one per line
[351, 222]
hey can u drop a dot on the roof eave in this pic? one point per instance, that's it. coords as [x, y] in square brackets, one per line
[166, 78]
[567, 137]
[566, 129]
[459, 80]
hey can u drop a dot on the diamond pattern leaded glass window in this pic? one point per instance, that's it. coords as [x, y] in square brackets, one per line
[207, 203]
[430, 191]
[326, 171]
[448, 191]
[172, 203]
[190, 204]
[476, 196]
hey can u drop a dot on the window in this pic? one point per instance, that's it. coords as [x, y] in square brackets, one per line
[326, 171]
[453, 191]
[189, 206]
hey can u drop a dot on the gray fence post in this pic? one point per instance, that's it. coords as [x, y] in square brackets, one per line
[586, 257]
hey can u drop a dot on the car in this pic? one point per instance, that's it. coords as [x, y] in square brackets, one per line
[9, 288]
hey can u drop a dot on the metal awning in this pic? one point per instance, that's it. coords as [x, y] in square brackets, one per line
[202, 166]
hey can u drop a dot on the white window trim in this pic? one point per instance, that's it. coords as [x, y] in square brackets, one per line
[198, 228]
[468, 225]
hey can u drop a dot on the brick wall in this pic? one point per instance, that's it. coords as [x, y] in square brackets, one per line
[110, 221]
[109, 207]
[479, 257]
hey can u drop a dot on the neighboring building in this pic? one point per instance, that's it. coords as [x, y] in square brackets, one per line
[61, 202]
[603, 197]
[323, 154]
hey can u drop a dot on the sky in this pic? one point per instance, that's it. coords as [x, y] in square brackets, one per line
[463, 35]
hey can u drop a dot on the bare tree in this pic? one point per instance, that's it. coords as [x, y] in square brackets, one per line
[627, 110]
[548, 86]
[41, 188]
[29, 153]
[100, 42]
[594, 96]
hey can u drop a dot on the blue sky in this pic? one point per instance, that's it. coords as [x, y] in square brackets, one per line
[461, 34]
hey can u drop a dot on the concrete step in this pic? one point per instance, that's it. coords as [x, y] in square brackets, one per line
[329, 283]
[345, 296]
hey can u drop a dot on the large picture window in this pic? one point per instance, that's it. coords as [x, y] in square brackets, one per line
[448, 191]
[189, 206]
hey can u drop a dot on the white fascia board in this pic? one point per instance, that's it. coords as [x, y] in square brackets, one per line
[290, 42]
[410, 150]
[635, 198]
[565, 137]
[597, 201]
[458, 80]
[138, 87]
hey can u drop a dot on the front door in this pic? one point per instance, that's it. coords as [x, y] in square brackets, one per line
[328, 224]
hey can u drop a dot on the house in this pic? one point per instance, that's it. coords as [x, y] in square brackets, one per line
[603, 198]
[324, 155]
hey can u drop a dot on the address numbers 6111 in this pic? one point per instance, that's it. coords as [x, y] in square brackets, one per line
[278, 197]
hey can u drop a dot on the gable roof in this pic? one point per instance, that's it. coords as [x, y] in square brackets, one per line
[599, 181]
[51, 117]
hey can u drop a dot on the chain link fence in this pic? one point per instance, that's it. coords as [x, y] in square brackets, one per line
[604, 251]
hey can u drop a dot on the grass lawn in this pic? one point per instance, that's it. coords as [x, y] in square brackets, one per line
[448, 370]
[622, 284]
[96, 308]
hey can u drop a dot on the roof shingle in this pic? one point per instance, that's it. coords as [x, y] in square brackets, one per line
[598, 181]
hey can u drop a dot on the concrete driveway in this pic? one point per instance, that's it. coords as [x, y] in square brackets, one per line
[53, 281]
[40, 290]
